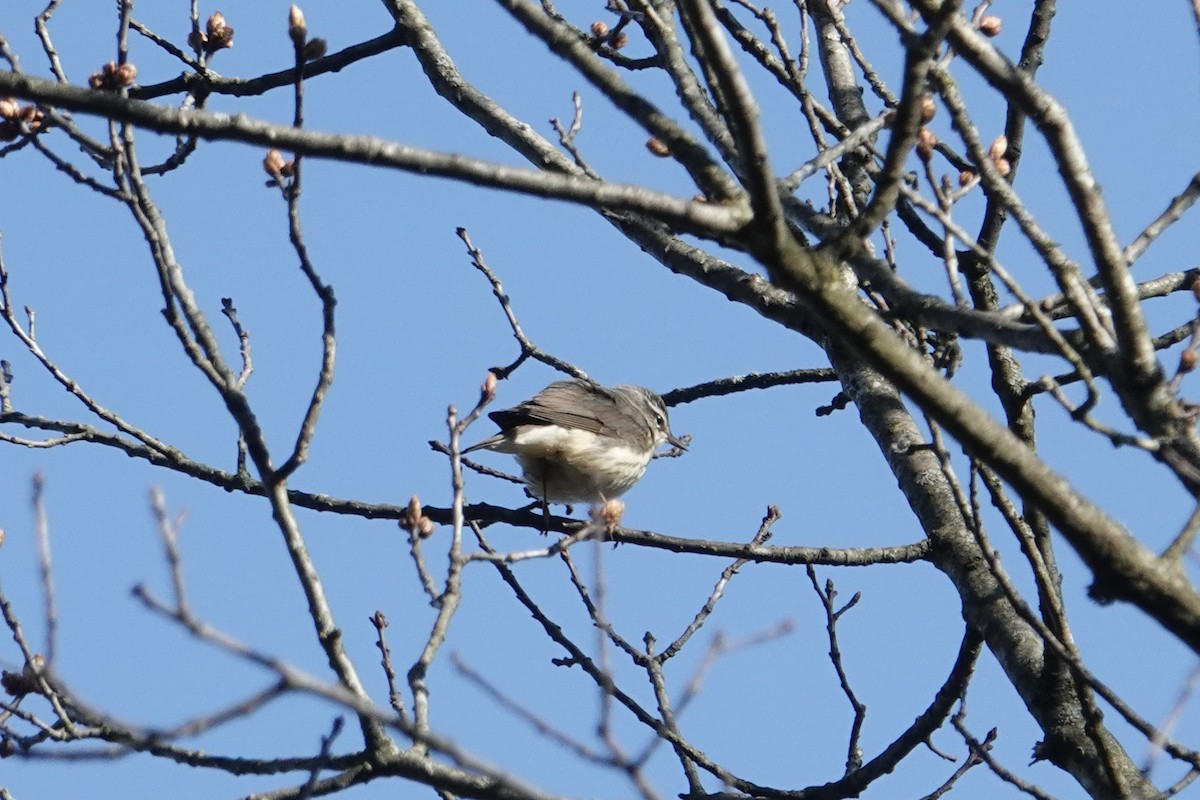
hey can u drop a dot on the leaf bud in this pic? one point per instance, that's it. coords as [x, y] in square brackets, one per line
[658, 147]
[219, 34]
[926, 141]
[1188, 360]
[314, 48]
[928, 108]
[297, 26]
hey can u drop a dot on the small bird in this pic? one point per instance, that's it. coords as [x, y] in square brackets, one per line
[577, 441]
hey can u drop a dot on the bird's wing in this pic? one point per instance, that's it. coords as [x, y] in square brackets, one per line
[549, 407]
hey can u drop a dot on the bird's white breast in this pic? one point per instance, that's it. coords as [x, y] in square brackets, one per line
[568, 464]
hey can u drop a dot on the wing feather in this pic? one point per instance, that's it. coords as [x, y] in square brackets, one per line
[549, 407]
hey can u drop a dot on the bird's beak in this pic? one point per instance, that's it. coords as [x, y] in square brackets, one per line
[675, 441]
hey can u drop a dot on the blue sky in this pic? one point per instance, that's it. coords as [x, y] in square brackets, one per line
[417, 330]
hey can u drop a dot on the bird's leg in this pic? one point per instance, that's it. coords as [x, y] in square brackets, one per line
[545, 503]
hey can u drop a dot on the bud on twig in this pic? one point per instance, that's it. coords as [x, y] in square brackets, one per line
[608, 513]
[926, 141]
[425, 527]
[274, 163]
[414, 520]
[16, 119]
[218, 34]
[278, 167]
[32, 117]
[112, 77]
[599, 29]
[1188, 360]
[990, 26]
[928, 108]
[297, 27]
[996, 153]
[488, 390]
[314, 48]
[216, 24]
[658, 147]
[998, 148]
[125, 75]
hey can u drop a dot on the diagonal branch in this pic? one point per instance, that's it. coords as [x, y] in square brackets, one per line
[704, 219]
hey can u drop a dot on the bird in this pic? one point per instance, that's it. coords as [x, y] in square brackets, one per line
[578, 441]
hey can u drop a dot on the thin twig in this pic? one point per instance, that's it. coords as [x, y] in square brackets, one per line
[827, 595]
[41, 528]
[528, 348]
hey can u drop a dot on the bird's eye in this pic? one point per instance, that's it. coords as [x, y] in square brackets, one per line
[658, 419]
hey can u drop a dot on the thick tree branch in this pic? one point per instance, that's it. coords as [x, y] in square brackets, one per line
[704, 219]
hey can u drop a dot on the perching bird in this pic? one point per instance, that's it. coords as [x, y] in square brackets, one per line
[577, 441]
